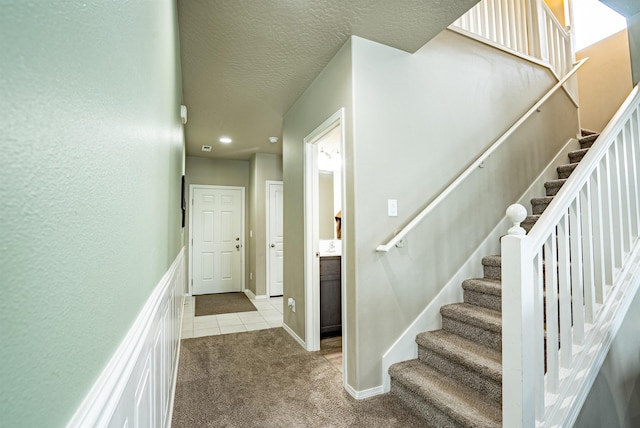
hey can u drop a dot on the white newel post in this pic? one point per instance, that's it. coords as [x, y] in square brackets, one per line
[518, 392]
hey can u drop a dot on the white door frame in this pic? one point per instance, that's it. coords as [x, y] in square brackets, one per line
[311, 237]
[268, 229]
[242, 223]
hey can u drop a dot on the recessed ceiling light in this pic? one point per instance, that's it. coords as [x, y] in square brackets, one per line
[225, 140]
[206, 148]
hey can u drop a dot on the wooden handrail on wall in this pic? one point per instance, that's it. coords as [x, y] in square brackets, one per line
[483, 157]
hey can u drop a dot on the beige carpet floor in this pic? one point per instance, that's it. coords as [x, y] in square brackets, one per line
[265, 379]
[222, 303]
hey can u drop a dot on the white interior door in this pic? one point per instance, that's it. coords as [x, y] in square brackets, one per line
[216, 231]
[275, 250]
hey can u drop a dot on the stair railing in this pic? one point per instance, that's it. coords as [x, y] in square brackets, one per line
[477, 163]
[565, 284]
[525, 26]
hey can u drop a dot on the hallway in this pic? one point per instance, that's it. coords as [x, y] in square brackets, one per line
[268, 315]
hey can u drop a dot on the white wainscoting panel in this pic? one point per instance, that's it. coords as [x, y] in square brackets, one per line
[136, 388]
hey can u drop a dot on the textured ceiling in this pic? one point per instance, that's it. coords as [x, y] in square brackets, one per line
[245, 62]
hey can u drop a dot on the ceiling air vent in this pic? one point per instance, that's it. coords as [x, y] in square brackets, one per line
[206, 148]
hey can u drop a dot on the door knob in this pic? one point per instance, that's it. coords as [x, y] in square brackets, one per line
[273, 245]
[238, 246]
[238, 238]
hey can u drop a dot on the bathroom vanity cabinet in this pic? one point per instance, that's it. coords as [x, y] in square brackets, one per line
[330, 296]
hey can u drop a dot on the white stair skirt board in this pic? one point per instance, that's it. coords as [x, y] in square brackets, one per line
[405, 347]
[137, 386]
[252, 296]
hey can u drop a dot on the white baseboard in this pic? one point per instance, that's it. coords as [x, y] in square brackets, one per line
[359, 395]
[252, 296]
[405, 347]
[136, 387]
[294, 335]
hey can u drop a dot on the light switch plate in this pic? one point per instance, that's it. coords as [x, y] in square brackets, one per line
[392, 207]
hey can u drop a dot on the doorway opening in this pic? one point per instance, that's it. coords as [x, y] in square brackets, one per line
[325, 267]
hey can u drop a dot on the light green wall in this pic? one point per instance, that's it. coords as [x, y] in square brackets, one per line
[218, 172]
[614, 399]
[328, 93]
[263, 167]
[90, 185]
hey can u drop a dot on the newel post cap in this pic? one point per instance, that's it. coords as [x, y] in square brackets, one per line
[516, 213]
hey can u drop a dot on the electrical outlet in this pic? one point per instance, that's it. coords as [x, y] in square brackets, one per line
[250, 276]
[292, 304]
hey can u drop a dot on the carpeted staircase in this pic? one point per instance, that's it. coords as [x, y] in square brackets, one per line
[456, 381]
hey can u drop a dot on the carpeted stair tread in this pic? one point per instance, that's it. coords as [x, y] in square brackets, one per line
[476, 316]
[494, 260]
[481, 359]
[586, 132]
[543, 200]
[465, 407]
[586, 142]
[457, 378]
[529, 221]
[491, 266]
[540, 204]
[483, 285]
[564, 171]
[577, 155]
[552, 186]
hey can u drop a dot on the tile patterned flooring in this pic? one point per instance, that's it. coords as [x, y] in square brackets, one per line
[268, 315]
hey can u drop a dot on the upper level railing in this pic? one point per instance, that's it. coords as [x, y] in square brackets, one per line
[564, 284]
[525, 26]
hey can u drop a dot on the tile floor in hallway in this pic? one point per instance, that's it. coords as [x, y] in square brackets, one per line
[268, 315]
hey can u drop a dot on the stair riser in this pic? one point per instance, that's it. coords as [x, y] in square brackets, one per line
[573, 158]
[479, 335]
[527, 226]
[488, 301]
[421, 407]
[586, 143]
[492, 272]
[462, 374]
[539, 208]
[552, 191]
[565, 172]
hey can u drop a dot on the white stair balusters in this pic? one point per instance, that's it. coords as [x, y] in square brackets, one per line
[566, 284]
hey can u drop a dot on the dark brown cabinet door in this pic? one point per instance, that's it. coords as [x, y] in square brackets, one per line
[330, 296]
